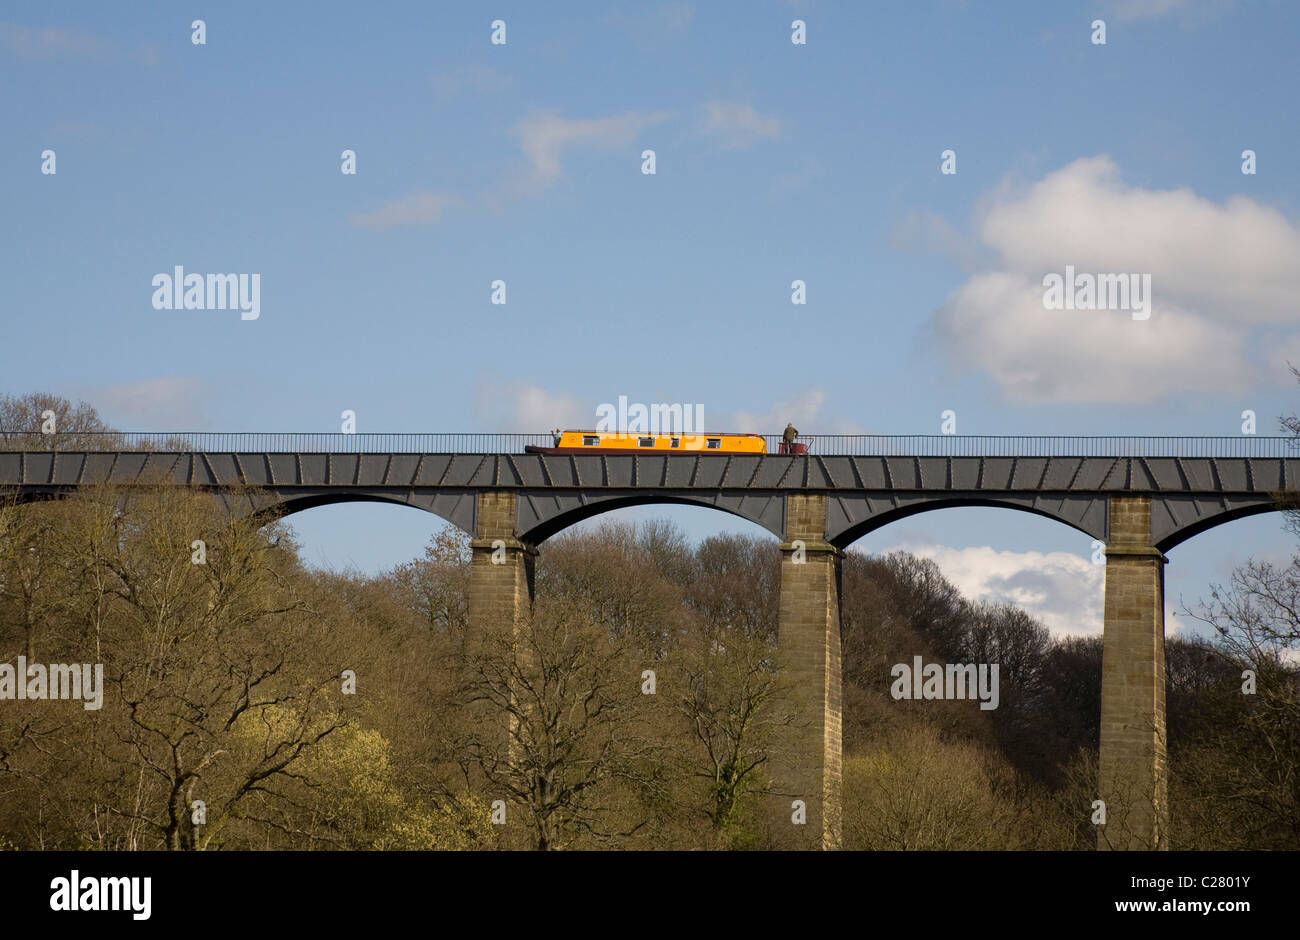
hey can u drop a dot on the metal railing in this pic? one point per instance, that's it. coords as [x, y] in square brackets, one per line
[952, 445]
[274, 443]
[914, 445]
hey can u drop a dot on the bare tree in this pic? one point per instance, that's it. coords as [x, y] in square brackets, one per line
[726, 687]
[24, 420]
[560, 720]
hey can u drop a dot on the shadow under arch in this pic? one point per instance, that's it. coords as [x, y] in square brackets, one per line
[1090, 517]
[766, 512]
[27, 498]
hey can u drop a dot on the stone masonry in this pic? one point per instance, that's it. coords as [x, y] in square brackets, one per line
[1133, 776]
[501, 572]
[809, 637]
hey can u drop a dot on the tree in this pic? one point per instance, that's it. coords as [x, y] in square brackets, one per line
[1238, 773]
[725, 686]
[437, 586]
[615, 574]
[191, 653]
[735, 584]
[557, 718]
[1291, 423]
[77, 426]
[920, 792]
[1018, 644]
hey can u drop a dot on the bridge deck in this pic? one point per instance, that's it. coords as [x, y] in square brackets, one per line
[1188, 494]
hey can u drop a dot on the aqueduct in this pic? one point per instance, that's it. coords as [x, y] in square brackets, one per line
[1140, 496]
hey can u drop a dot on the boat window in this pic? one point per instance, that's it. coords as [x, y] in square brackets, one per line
[713, 443]
[676, 441]
[590, 440]
[646, 441]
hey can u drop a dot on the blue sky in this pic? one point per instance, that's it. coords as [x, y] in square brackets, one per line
[775, 162]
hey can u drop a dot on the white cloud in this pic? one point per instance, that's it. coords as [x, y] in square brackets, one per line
[545, 137]
[736, 126]
[82, 129]
[530, 409]
[1217, 270]
[998, 321]
[1239, 256]
[933, 234]
[473, 79]
[415, 209]
[675, 16]
[655, 25]
[794, 181]
[1137, 9]
[168, 404]
[803, 410]
[1063, 591]
[51, 42]
[1066, 592]
[1187, 10]
[1285, 350]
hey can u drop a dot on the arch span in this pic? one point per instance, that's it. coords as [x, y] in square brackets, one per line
[542, 514]
[456, 508]
[849, 518]
[1179, 533]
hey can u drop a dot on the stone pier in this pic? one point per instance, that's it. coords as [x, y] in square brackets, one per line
[1133, 775]
[501, 572]
[809, 637]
